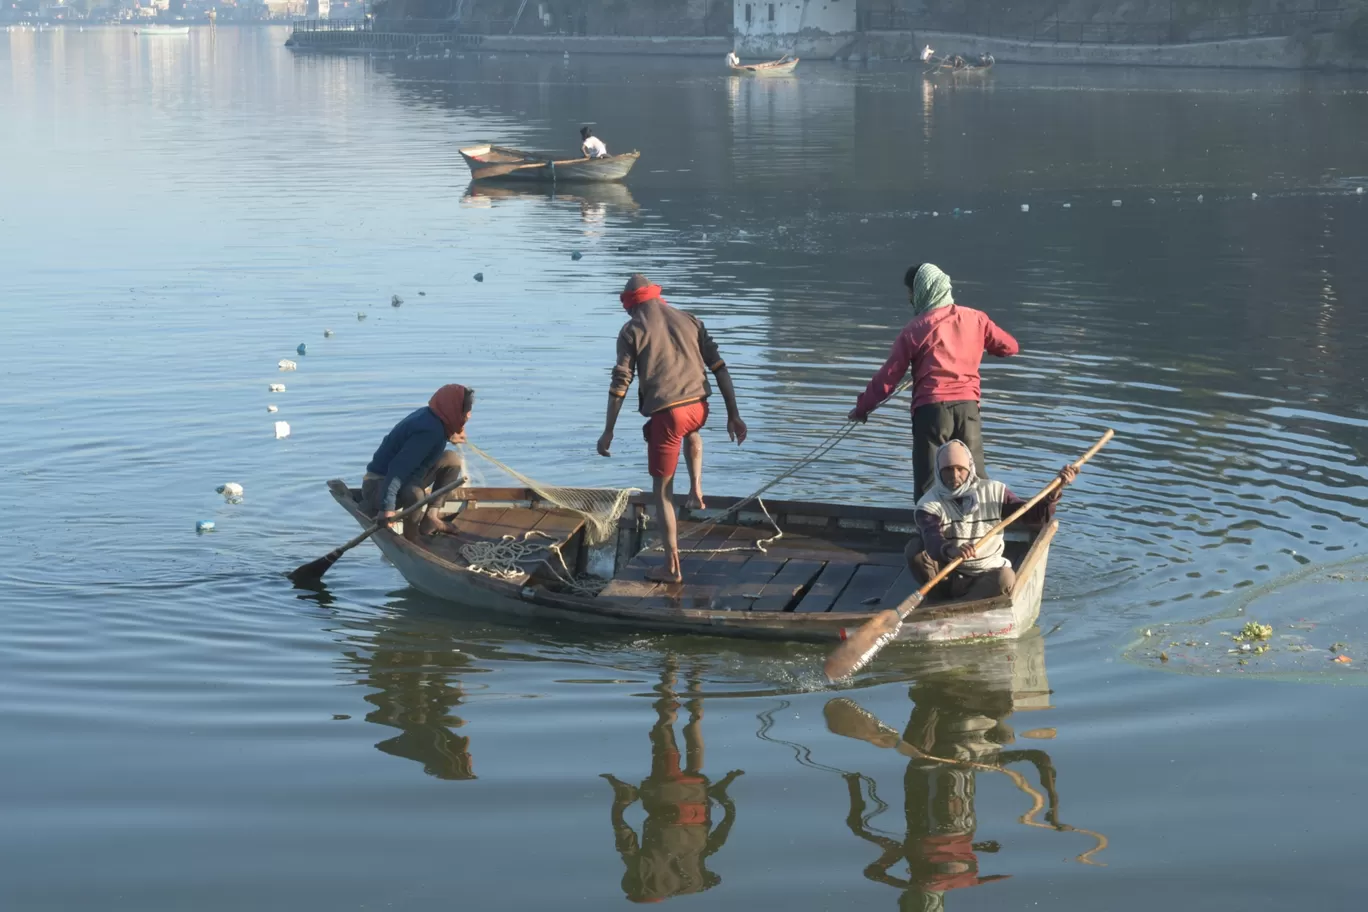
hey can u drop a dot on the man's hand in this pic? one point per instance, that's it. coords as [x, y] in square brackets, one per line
[967, 552]
[384, 518]
[458, 438]
[1068, 474]
[736, 430]
[605, 444]
[856, 415]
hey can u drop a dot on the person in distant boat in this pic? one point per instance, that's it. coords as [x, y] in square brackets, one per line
[959, 509]
[413, 458]
[943, 346]
[732, 59]
[592, 146]
[927, 54]
[957, 62]
[670, 351]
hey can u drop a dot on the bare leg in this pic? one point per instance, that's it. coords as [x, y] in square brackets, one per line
[693, 457]
[669, 535]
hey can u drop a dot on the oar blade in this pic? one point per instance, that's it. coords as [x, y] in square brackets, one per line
[861, 646]
[851, 720]
[313, 571]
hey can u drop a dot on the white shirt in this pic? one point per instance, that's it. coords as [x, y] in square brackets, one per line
[593, 147]
[732, 59]
[926, 53]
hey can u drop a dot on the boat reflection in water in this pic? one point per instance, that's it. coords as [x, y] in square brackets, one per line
[678, 835]
[956, 732]
[590, 197]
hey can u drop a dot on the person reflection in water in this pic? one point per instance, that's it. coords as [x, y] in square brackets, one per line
[677, 836]
[416, 690]
[956, 731]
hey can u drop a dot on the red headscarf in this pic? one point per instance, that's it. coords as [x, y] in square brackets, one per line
[640, 295]
[449, 403]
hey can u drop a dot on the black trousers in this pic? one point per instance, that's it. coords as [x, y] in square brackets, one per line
[447, 469]
[938, 423]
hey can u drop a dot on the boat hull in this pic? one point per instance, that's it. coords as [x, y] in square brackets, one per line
[488, 163]
[1005, 617]
[766, 69]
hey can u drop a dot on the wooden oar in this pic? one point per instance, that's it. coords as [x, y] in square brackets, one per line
[859, 648]
[314, 570]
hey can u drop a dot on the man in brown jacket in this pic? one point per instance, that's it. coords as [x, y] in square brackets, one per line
[671, 351]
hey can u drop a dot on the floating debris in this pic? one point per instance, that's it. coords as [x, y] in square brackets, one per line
[1152, 201]
[1040, 734]
[1253, 196]
[327, 333]
[286, 364]
[272, 409]
[231, 490]
[302, 348]
[1359, 191]
[395, 301]
[1200, 198]
[360, 315]
[1338, 647]
[1116, 204]
[1068, 205]
[1253, 631]
[1342, 659]
[576, 255]
[935, 214]
[479, 276]
[282, 430]
[204, 525]
[277, 388]
[1163, 656]
[422, 294]
[1025, 207]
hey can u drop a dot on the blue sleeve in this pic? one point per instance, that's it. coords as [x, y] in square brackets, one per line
[414, 457]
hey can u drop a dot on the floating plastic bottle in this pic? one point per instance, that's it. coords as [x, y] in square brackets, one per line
[1200, 198]
[271, 409]
[204, 525]
[1359, 191]
[327, 333]
[1116, 204]
[1253, 196]
[231, 491]
[395, 301]
[1068, 205]
[422, 294]
[302, 348]
[1025, 207]
[282, 430]
[277, 388]
[286, 364]
[479, 276]
[576, 255]
[360, 315]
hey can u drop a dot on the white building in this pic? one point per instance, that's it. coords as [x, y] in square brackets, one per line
[813, 27]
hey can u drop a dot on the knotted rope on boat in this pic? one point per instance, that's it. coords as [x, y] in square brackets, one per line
[503, 560]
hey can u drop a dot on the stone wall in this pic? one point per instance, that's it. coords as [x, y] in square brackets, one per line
[804, 28]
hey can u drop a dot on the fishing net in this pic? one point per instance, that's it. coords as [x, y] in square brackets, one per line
[600, 507]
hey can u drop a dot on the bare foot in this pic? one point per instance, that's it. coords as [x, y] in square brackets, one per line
[664, 574]
[695, 501]
[437, 527]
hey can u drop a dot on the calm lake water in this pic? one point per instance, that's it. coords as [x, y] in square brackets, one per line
[183, 729]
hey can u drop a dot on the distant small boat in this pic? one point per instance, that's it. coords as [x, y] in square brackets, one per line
[502, 163]
[152, 31]
[957, 65]
[781, 67]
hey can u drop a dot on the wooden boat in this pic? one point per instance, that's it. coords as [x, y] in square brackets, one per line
[501, 163]
[781, 67]
[833, 568]
[938, 66]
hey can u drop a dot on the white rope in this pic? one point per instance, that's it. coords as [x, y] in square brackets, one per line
[502, 559]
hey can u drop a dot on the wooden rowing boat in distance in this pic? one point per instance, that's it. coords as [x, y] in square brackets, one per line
[488, 162]
[781, 67]
[834, 567]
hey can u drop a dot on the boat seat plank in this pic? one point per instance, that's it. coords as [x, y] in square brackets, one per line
[830, 583]
[871, 581]
[779, 592]
[899, 589]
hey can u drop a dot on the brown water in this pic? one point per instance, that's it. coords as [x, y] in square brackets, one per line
[179, 728]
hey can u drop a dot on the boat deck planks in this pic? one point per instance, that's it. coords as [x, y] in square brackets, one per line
[830, 583]
[871, 581]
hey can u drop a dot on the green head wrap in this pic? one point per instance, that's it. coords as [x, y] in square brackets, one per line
[930, 289]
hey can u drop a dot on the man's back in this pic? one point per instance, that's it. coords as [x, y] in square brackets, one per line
[670, 351]
[944, 348]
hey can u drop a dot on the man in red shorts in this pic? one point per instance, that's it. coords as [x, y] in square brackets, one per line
[671, 352]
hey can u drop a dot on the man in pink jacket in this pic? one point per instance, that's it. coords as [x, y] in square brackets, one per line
[942, 346]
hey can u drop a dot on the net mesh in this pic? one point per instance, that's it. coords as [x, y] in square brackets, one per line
[600, 507]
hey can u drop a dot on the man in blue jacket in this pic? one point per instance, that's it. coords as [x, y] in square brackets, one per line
[413, 457]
